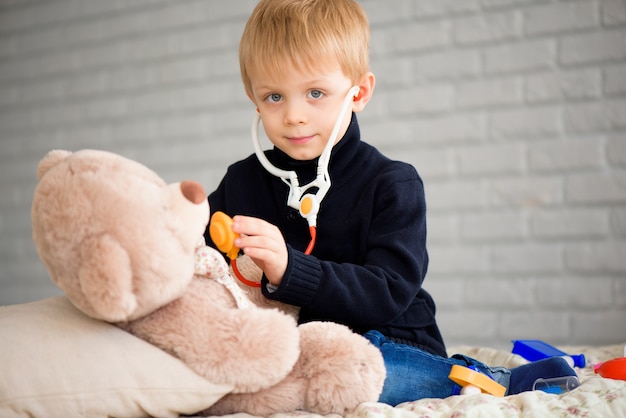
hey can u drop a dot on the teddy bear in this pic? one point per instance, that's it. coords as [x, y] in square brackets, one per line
[126, 247]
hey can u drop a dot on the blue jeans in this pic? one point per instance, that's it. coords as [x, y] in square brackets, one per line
[414, 374]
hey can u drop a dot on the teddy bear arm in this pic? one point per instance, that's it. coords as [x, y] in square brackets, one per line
[248, 348]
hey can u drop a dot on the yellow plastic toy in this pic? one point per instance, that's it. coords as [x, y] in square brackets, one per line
[471, 381]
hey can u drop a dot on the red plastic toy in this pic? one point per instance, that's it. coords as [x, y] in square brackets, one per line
[613, 369]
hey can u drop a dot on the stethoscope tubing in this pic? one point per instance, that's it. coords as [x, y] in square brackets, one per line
[322, 180]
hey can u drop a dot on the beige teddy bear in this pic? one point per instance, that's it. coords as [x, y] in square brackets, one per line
[123, 246]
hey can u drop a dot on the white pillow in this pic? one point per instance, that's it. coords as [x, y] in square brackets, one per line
[57, 362]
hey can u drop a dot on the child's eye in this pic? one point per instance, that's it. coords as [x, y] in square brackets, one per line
[274, 98]
[315, 94]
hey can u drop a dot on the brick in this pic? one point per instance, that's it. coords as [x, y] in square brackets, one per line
[443, 228]
[522, 56]
[417, 36]
[14, 19]
[570, 223]
[136, 130]
[613, 12]
[524, 192]
[561, 17]
[526, 258]
[53, 64]
[42, 40]
[618, 222]
[205, 39]
[459, 194]
[615, 80]
[434, 163]
[444, 65]
[171, 15]
[136, 77]
[424, 8]
[507, 294]
[388, 135]
[586, 293]
[420, 100]
[563, 85]
[491, 159]
[462, 327]
[599, 328]
[566, 155]
[487, 27]
[596, 257]
[458, 127]
[8, 46]
[184, 70]
[106, 108]
[489, 4]
[492, 92]
[491, 227]
[214, 95]
[594, 117]
[393, 72]
[532, 324]
[9, 95]
[446, 292]
[620, 293]
[525, 122]
[112, 54]
[380, 13]
[223, 64]
[616, 150]
[596, 188]
[184, 125]
[153, 101]
[456, 260]
[593, 47]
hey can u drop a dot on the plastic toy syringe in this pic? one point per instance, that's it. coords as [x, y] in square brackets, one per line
[534, 350]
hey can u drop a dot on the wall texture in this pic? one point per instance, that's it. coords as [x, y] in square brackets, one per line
[513, 111]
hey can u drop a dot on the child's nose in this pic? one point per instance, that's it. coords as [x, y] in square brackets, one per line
[295, 113]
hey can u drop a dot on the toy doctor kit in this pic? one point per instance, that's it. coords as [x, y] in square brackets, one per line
[302, 198]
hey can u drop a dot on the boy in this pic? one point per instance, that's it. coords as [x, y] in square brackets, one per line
[299, 60]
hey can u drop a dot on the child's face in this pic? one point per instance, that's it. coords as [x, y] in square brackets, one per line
[299, 110]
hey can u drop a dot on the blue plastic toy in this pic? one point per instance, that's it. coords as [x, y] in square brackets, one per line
[533, 350]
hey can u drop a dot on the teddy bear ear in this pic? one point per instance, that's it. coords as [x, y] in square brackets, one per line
[106, 279]
[51, 159]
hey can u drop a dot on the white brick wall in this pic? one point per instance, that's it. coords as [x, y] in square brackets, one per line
[513, 111]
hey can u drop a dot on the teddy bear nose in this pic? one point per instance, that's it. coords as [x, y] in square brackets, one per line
[193, 191]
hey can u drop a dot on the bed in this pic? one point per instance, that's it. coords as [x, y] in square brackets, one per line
[595, 397]
[56, 362]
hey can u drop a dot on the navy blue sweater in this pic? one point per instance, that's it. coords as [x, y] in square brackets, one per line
[369, 262]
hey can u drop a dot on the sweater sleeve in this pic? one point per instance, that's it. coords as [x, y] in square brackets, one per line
[389, 261]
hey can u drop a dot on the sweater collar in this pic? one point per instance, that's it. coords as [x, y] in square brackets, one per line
[341, 156]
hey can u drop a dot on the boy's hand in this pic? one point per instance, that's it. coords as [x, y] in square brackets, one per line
[264, 244]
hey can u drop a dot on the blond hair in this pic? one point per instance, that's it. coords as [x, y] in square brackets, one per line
[305, 34]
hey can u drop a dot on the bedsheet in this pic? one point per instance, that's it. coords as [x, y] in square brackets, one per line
[595, 397]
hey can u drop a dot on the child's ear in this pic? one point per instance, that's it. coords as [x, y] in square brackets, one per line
[366, 89]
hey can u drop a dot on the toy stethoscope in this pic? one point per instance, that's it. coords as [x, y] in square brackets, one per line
[300, 197]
